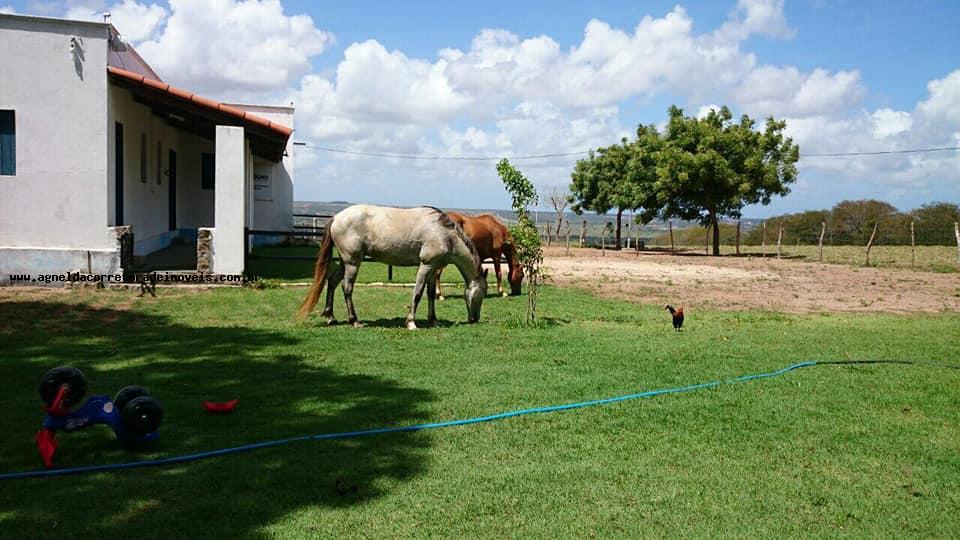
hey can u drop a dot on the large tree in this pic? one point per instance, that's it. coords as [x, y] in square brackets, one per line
[619, 177]
[711, 167]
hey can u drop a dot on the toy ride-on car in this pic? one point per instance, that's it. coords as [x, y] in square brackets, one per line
[133, 414]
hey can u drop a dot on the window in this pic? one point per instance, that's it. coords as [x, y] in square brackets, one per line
[206, 171]
[143, 157]
[159, 162]
[8, 144]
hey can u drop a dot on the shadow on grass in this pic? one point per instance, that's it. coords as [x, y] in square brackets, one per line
[284, 391]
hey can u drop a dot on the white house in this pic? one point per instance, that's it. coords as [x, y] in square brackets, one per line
[98, 155]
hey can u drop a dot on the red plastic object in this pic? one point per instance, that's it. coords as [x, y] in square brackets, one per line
[47, 445]
[225, 407]
[56, 408]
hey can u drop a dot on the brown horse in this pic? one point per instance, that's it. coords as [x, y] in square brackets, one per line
[493, 241]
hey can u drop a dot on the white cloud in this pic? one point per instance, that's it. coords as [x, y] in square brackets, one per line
[7, 9]
[943, 105]
[931, 124]
[887, 122]
[785, 91]
[135, 21]
[230, 48]
[704, 111]
[763, 17]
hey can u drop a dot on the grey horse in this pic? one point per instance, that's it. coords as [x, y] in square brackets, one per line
[424, 237]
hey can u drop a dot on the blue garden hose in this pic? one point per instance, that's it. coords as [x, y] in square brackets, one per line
[436, 425]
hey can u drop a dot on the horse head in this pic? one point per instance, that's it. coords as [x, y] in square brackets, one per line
[515, 277]
[475, 293]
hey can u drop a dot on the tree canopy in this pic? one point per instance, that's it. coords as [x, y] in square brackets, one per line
[699, 169]
[619, 177]
[711, 167]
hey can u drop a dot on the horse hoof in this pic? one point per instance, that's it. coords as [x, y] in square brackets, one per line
[411, 325]
[331, 322]
[504, 294]
[441, 298]
[358, 324]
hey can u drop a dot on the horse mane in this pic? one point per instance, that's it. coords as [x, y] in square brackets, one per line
[445, 220]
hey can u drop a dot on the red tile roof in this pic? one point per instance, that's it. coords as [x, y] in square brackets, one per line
[199, 100]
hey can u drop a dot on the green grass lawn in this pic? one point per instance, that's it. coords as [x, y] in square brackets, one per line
[862, 451]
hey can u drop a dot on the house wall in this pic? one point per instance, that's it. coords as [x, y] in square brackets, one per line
[146, 202]
[57, 201]
[273, 207]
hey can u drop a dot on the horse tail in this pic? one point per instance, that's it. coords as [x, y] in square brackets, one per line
[319, 274]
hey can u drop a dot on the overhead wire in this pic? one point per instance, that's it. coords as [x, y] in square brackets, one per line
[388, 155]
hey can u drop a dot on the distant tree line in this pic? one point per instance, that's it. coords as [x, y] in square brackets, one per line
[852, 222]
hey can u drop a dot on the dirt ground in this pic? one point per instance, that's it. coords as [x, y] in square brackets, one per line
[745, 283]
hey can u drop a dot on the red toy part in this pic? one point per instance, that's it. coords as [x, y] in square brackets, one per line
[47, 445]
[225, 407]
[56, 408]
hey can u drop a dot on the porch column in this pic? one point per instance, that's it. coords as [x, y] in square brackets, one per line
[229, 209]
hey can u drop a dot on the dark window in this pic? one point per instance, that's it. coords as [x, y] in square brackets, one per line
[206, 171]
[8, 144]
[143, 157]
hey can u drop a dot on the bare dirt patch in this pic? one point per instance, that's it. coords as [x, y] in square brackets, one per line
[743, 283]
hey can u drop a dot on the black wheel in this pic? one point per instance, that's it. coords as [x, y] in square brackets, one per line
[70, 376]
[127, 394]
[142, 415]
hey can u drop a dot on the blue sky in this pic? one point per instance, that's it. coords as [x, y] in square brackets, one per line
[514, 78]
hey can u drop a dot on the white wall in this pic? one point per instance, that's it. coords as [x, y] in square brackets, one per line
[195, 204]
[231, 200]
[145, 204]
[58, 197]
[274, 210]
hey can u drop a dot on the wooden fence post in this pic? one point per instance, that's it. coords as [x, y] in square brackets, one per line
[870, 242]
[823, 230]
[670, 225]
[913, 246]
[603, 242]
[706, 239]
[636, 243]
[628, 235]
[568, 238]
[763, 242]
[583, 232]
[779, 240]
[956, 232]
[738, 237]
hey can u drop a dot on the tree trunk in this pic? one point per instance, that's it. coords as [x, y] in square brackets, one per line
[559, 222]
[716, 234]
[583, 232]
[670, 225]
[619, 222]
